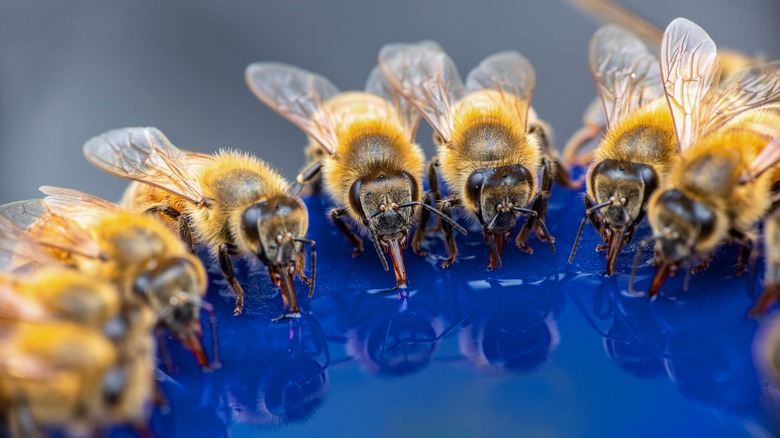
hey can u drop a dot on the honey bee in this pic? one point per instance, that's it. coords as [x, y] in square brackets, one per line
[771, 292]
[148, 265]
[490, 143]
[579, 149]
[231, 202]
[374, 169]
[631, 160]
[728, 138]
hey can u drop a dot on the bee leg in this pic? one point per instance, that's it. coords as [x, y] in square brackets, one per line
[185, 232]
[452, 247]
[354, 239]
[300, 261]
[744, 254]
[595, 220]
[306, 176]
[419, 233]
[558, 171]
[769, 297]
[226, 264]
[540, 207]
[434, 189]
[704, 264]
[165, 353]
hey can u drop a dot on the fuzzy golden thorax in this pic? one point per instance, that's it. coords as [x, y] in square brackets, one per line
[232, 182]
[379, 154]
[490, 163]
[631, 162]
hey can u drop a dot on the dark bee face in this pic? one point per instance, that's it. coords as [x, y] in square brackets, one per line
[383, 202]
[627, 186]
[682, 222]
[495, 191]
[268, 229]
[173, 290]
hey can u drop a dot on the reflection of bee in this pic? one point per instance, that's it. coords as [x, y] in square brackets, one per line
[719, 188]
[579, 148]
[490, 147]
[771, 291]
[639, 145]
[231, 202]
[374, 172]
[135, 252]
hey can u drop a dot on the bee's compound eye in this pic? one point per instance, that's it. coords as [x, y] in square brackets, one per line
[250, 218]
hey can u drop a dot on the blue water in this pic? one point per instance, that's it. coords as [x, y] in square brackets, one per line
[538, 348]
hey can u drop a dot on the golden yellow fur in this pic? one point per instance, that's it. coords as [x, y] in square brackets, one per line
[645, 136]
[465, 153]
[709, 173]
[367, 147]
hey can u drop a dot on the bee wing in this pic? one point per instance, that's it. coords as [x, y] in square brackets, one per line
[750, 87]
[509, 73]
[378, 84]
[690, 69]
[425, 75]
[626, 74]
[769, 155]
[14, 307]
[145, 155]
[17, 249]
[297, 95]
[78, 206]
[50, 230]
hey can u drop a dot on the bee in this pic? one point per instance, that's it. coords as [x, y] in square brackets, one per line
[148, 265]
[490, 143]
[374, 169]
[631, 160]
[771, 292]
[728, 138]
[579, 149]
[231, 202]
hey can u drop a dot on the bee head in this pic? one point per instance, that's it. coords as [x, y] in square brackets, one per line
[624, 187]
[173, 289]
[268, 229]
[682, 224]
[496, 192]
[386, 203]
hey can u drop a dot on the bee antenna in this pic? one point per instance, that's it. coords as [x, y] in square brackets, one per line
[533, 213]
[582, 227]
[492, 224]
[436, 211]
[375, 241]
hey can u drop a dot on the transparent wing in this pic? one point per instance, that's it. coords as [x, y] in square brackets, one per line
[750, 87]
[377, 84]
[690, 69]
[626, 74]
[17, 249]
[50, 230]
[78, 206]
[509, 73]
[298, 96]
[145, 155]
[425, 75]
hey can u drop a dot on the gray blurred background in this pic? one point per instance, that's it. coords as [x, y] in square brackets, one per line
[71, 70]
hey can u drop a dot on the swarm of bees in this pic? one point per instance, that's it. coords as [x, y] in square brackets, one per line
[85, 283]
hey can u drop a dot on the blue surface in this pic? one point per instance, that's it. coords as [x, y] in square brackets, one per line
[540, 347]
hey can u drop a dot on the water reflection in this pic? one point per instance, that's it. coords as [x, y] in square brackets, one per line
[508, 323]
[700, 340]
